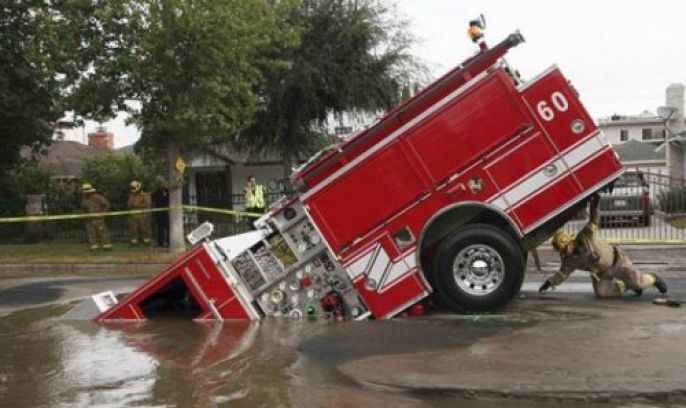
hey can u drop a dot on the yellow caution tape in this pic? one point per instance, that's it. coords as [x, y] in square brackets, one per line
[222, 211]
[38, 218]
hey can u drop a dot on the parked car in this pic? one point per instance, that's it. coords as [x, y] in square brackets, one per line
[627, 202]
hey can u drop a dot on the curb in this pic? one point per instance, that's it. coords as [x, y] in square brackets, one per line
[13, 270]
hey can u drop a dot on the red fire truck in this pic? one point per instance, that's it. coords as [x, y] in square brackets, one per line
[445, 195]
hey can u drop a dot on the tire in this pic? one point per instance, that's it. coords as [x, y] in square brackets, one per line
[479, 268]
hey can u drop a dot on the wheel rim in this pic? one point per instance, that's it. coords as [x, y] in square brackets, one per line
[478, 270]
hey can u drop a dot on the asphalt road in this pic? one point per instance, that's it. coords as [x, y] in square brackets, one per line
[571, 348]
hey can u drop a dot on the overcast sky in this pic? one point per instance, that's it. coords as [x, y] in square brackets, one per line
[620, 55]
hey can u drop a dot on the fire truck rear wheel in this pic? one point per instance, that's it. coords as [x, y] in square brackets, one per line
[479, 268]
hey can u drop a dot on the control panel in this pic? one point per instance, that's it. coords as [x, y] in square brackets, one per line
[292, 273]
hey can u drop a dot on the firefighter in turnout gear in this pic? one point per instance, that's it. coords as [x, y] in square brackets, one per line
[612, 271]
[96, 229]
[139, 224]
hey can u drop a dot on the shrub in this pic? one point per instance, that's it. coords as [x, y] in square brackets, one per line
[111, 174]
[673, 201]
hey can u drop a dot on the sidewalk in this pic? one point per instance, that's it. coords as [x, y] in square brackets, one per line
[666, 258]
[64, 259]
[23, 270]
[648, 258]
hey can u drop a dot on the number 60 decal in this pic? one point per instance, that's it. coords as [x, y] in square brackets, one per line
[558, 101]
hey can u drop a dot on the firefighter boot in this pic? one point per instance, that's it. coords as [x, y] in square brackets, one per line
[659, 284]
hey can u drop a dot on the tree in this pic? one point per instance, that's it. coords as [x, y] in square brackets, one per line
[18, 181]
[190, 68]
[112, 173]
[351, 56]
[258, 74]
[37, 71]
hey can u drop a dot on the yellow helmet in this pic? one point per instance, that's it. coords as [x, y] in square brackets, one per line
[87, 188]
[136, 186]
[475, 32]
[561, 239]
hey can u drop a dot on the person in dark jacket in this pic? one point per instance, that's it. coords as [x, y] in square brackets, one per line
[160, 199]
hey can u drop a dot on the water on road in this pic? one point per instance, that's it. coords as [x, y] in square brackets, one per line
[277, 362]
[49, 361]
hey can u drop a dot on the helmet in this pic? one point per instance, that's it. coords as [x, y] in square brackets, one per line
[561, 239]
[87, 188]
[475, 32]
[136, 186]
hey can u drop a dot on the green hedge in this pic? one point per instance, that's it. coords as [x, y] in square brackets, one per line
[673, 201]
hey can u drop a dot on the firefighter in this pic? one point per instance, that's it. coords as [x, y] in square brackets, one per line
[254, 198]
[139, 224]
[476, 33]
[96, 229]
[612, 271]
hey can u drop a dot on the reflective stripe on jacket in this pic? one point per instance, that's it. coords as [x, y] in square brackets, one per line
[254, 199]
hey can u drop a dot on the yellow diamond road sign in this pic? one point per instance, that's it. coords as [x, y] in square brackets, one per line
[180, 165]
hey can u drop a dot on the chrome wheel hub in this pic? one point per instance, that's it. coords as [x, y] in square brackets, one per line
[478, 270]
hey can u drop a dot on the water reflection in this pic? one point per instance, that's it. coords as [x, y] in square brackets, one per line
[276, 362]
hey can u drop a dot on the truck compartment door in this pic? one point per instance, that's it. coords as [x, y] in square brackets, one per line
[468, 128]
[365, 196]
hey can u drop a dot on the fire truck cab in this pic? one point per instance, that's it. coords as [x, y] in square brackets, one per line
[446, 194]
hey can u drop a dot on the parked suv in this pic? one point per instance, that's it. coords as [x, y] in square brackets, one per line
[628, 201]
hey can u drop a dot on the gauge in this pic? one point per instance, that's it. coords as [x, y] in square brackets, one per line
[276, 296]
[294, 284]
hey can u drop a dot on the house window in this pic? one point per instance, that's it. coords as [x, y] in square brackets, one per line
[646, 134]
[623, 135]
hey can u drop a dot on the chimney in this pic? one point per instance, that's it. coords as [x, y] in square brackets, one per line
[101, 139]
[675, 99]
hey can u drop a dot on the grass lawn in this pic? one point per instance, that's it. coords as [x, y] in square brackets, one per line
[61, 253]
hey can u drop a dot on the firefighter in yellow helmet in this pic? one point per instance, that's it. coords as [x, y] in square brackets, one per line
[139, 224]
[476, 33]
[611, 269]
[96, 229]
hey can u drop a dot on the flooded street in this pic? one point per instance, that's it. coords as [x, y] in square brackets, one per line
[178, 363]
[438, 360]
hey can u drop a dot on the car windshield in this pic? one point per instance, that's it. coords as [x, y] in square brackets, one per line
[630, 180]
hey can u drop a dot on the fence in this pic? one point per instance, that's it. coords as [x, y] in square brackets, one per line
[642, 208]
[73, 230]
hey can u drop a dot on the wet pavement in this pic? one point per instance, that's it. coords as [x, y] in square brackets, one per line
[553, 350]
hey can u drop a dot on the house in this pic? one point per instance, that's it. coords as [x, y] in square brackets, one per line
[636, 155]
[217, 176]
[664, 132]
[646, 127]
[63, 159]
